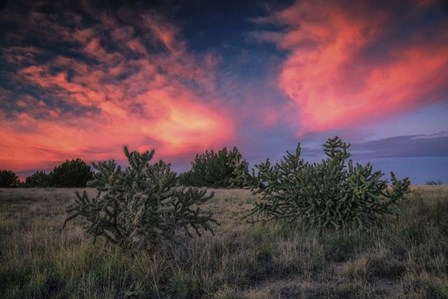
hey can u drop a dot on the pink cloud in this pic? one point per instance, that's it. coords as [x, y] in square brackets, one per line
[164, 33]
[334, 85]
[93, 109]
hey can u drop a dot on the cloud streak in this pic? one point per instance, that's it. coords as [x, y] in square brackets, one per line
[109, 87]
[432, 145]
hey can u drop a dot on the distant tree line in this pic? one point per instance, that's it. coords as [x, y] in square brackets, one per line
[209, 169]
[71, 173]
[434, 183]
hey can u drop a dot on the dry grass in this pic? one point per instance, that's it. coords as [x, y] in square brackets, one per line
[407, 258]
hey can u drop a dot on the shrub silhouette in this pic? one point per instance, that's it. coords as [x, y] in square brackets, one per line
[333, 194]
[38, 179]
[140, 206]
[214, 169]
[8, 178]
[73, 173]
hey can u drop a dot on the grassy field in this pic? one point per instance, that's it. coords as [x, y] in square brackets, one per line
[408, 258]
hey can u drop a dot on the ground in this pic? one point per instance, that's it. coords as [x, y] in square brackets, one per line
[405, 258]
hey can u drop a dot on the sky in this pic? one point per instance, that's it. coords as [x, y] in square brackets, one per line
[84, 78]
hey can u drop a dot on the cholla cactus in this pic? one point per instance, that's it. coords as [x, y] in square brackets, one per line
[140, 206]
[332, 194]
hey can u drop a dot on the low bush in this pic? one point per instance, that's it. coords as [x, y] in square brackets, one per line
[214, 169]
[8, 178]
[333, 194]
[140, 206]
[38, 179]
[71, 173]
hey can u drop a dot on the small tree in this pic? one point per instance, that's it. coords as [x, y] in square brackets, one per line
[38, 179]
[333, 194]
[214, 169]
[140, 206]
[73, 173]
[8, 178]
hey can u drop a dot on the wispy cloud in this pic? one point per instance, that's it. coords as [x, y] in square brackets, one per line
[109, 86]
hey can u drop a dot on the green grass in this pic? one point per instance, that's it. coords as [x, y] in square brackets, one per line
[406, 258]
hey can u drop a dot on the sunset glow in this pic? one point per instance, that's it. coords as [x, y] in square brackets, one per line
[83, 80]
[335, 85]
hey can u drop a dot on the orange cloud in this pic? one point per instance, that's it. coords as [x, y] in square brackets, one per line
[335, 84]
[188, 127]
[90, 110]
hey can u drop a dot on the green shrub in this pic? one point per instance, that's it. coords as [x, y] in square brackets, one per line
[8, 178]
[38, 179]
[73, 173]
[140, 206]
[333, 194]
[214, 169]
